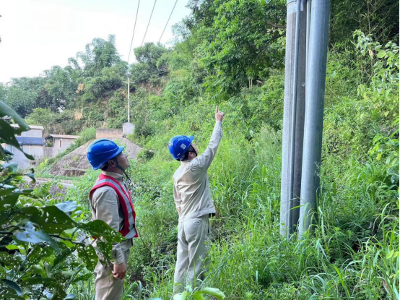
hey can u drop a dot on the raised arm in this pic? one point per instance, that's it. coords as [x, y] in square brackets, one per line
[204, 160]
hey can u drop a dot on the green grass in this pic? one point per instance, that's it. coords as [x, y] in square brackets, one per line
[352, 252]
[57, 177]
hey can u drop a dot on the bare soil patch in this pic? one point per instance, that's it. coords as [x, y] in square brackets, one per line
[75, 164]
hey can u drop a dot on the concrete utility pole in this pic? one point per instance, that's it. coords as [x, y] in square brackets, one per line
[293, 118]
[315, 87]
[129, 103]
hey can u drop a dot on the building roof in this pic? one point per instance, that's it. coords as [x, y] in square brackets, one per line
[30, 126]
[25, 140]
[62, 136]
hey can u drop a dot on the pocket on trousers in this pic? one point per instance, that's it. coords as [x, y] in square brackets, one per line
[193, 229]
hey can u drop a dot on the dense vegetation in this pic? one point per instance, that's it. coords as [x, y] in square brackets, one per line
[231, 53]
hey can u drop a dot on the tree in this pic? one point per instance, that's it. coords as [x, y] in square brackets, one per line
[150, 64]
[99, 54]
[59, 89]
[96, 71]
[380, 18]
[40, 251]
[21, 96]
[203, 15]
[41, 116]
[245, 40]
[3, 92]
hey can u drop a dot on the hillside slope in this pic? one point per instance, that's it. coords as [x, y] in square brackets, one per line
[75, 163]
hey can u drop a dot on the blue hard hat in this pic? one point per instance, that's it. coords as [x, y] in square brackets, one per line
[179, 145]
[101, 151]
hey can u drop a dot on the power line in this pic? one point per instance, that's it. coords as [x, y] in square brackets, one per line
[155, 1]
[133, 33]
[168, 20]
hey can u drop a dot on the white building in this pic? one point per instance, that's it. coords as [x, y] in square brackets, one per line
[31, 142]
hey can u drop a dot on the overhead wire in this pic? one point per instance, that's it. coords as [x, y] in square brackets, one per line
[133, 33]
[155, 1]
[167, 21]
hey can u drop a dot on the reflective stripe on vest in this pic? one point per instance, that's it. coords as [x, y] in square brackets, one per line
[124, 196]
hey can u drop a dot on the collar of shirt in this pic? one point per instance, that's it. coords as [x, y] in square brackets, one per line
[117, 176]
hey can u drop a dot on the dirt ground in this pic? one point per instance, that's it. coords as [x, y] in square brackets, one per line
[76, 163]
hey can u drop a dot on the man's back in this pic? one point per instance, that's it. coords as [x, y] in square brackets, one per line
[191, 185]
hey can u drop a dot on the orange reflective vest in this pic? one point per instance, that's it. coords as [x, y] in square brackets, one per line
[124, 196]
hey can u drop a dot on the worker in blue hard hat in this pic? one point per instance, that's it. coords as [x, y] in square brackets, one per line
[194, 204]
[111, 201]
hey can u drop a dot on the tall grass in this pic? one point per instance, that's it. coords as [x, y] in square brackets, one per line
[351, 254]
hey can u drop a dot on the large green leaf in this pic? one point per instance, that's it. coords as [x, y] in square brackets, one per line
[8, 136]
[10, 167]
[84, 277]
[67, 206]
[12, 297]
[41, 280]
[62, 255]
[6, 189]
[99, 228]
[198, 296]
[212, 292]
[4, 156]
[88, 256]
[5, 110]
[31, 175]
[11, 177]
[59, 292]
[7, 202]
[106, 236]
[9, 260]
[181, 296]
[104, 248]
[50, 218]
[31, 235]
[13, 285]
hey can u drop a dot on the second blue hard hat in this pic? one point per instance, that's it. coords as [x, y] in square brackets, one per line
[101, 151]
[179, 145]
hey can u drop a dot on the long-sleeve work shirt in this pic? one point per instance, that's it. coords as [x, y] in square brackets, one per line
[192, 192]
[107, 207]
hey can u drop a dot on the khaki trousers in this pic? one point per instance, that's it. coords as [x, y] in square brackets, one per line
[191, 253]
[108, 287]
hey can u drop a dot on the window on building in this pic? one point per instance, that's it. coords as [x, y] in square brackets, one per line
[50, 142]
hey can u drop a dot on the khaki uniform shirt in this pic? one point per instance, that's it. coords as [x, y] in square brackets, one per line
[106, 206]
[192, 192]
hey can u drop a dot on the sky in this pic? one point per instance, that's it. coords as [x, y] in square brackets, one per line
[38, 34]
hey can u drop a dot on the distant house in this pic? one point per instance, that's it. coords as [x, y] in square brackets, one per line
[55, 143]
[127, 128]
[31, 142]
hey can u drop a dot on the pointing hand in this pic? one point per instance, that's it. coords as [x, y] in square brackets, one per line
[219, 115]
